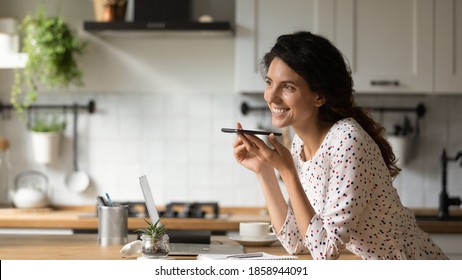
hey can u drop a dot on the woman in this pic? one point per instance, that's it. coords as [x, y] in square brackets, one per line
[338, 174]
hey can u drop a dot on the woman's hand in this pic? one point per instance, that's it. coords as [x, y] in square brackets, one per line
[253, 153]
[245, 157]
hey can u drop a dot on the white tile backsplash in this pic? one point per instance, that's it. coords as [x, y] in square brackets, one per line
[176, 140]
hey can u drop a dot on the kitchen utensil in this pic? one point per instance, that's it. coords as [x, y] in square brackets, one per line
[30, 189]
[5, 171]
[78, 180]
[407, 127]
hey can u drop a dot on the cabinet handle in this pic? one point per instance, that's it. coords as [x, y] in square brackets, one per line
[394, 83]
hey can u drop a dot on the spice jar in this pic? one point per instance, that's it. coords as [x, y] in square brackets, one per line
[5, 171]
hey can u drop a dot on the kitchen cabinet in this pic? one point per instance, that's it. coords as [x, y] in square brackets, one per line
[448, 46]
[258, 24]
[389, 44]
[450, 243]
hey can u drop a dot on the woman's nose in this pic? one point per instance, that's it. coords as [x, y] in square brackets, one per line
[270, 94]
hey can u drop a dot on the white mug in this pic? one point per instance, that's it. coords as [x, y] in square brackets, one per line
[255, 229]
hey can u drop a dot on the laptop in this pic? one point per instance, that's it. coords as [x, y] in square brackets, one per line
[185, 249]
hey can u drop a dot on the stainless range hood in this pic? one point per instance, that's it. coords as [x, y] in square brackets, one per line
[166, 16]
[153, 25]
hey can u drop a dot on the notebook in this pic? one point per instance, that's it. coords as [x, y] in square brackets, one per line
[185, 249]
[248, 256]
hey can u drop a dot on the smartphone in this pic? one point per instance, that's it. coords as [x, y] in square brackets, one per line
[245, 131]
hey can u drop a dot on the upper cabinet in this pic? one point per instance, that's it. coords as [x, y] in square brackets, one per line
[448, 46]
[258, 24]
[393, 46]
[389, 44]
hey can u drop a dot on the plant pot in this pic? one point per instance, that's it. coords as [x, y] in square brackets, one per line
[46, 146]
[109, 10]
[152, 248]
[402, 147]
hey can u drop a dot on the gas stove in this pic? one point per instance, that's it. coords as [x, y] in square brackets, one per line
[191, 210]
[176, 209]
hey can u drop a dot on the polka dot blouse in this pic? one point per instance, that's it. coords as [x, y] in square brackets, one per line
[357, 208]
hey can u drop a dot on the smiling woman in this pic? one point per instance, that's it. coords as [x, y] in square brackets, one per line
[338, 173]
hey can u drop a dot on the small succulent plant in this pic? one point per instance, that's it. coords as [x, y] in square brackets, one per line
[155, 231]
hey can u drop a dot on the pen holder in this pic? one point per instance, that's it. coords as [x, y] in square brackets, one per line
[112, 225]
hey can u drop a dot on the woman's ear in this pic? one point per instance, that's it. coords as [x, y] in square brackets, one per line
[320, 100]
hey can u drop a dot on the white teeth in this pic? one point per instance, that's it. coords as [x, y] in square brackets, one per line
[279, 110]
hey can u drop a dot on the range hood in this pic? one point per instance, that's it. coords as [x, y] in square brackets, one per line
[157, 26]
[167, 16]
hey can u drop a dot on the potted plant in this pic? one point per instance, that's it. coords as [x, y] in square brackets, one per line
[154, 241]
[52, 47]
[46, 133]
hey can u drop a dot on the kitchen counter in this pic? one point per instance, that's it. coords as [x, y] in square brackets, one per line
[85, 247]
[84, 218]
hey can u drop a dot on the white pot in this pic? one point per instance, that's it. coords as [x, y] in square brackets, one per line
[46, 146]
[402, 147]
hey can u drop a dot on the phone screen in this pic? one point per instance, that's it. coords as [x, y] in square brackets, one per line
[246, 131]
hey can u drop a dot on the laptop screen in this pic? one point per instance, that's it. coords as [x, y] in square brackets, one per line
[149, 199]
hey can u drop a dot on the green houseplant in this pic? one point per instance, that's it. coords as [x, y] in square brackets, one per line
[154, 240]
[53, 48]
[43, 124]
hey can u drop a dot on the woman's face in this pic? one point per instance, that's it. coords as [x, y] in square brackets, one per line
[289, 97]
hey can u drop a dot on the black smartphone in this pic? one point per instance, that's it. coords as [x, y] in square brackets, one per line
[245, 131]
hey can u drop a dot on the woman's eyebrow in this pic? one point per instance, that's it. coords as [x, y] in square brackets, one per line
[282, 82]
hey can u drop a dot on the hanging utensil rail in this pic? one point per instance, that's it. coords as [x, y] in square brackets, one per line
[90, 107]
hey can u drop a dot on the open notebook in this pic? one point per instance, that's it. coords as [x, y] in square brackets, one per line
[185, 249]
[248, 256]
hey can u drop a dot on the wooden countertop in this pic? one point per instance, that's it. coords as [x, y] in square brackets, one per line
[84, 218]
[85, 247]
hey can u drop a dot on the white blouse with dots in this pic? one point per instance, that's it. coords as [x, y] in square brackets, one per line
[356, 205]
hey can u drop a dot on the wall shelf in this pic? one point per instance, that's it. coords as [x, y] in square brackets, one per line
[12, 60]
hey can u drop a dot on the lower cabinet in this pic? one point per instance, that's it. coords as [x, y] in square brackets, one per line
[450, 243]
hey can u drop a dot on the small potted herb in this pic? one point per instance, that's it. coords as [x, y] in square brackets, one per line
[154, 241]
[46, 133]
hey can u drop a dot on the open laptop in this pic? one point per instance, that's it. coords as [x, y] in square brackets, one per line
[185, 249]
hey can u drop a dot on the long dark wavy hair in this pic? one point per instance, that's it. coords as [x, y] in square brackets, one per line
[324, 68]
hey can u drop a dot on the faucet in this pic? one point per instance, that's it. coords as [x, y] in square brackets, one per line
[445, 199]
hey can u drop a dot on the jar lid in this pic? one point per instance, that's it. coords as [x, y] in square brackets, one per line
[4, 144]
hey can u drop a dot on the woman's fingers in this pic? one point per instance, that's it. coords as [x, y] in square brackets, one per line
[276, 144]
[249, 145]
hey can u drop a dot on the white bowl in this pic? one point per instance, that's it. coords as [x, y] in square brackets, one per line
[29, 198]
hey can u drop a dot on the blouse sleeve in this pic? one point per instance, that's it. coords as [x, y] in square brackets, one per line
[289, 235]
[347, 194]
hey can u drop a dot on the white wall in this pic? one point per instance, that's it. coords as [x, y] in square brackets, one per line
[161, 102]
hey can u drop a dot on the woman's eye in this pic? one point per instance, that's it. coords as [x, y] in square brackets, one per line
[268, 82]
[289, 88]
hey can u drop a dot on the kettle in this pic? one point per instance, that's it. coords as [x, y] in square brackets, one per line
[30, 190]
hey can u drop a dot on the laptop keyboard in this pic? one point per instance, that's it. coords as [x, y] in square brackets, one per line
[188, 249]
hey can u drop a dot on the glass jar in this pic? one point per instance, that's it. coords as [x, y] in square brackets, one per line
[155, 248]
[5, 172]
